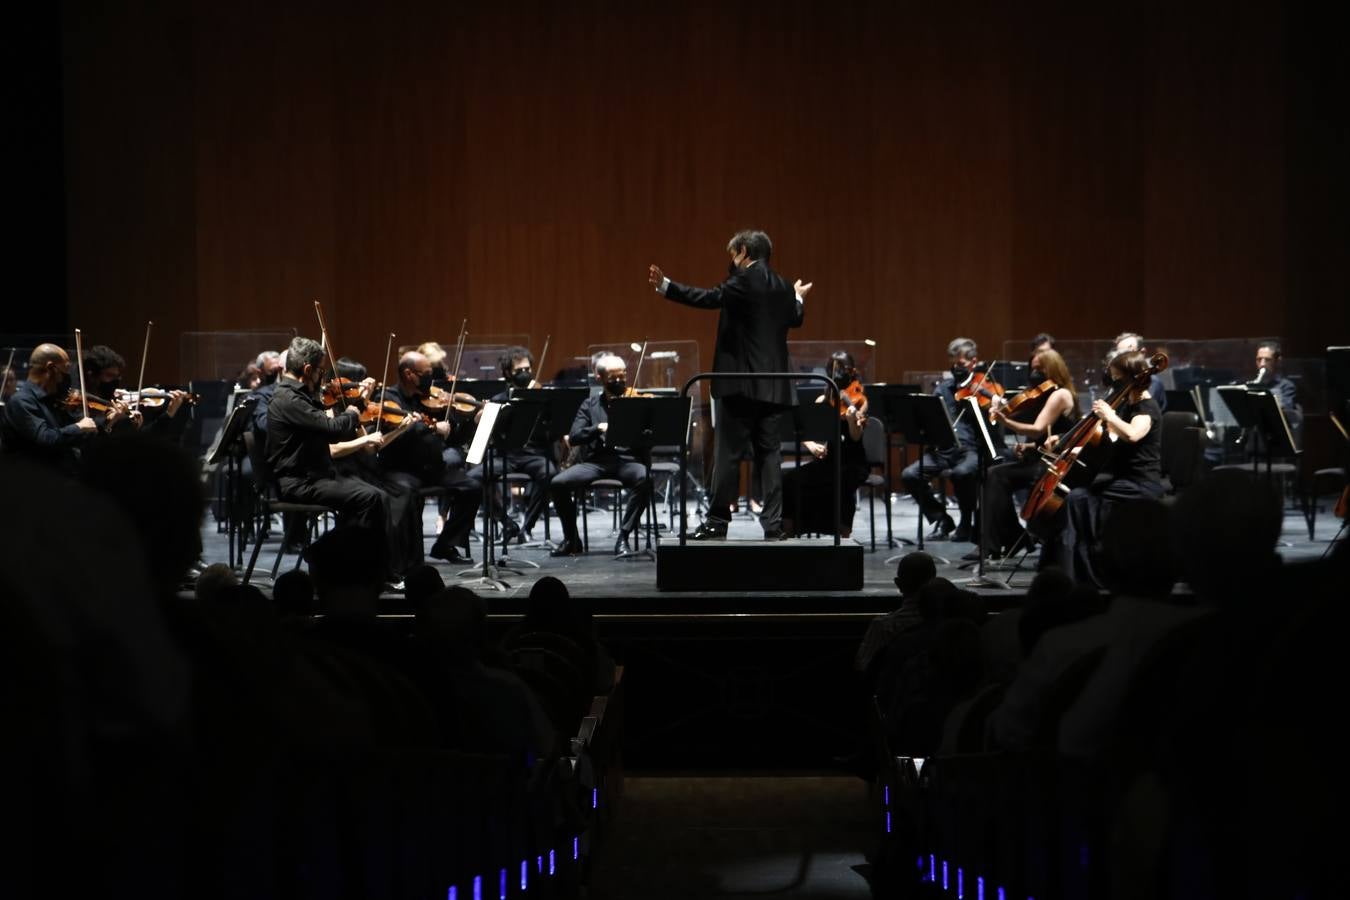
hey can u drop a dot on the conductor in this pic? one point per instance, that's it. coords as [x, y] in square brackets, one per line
[757, 307]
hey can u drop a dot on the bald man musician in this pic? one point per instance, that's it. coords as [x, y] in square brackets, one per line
[35, 424]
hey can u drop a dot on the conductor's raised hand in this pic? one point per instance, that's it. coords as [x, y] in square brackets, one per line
[802, 288]
[655, 276]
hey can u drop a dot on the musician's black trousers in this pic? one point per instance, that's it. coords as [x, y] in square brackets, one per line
[742, 423]
[1085, 511]
[569, 480]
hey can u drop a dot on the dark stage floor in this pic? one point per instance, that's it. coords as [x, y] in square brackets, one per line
[628, 586]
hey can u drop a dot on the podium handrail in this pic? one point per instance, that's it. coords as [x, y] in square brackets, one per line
[835, 446]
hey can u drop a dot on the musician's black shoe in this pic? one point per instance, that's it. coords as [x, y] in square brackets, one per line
[776, 535]
[944, 527]
[709, 531]
[962, 533]
[450, 554]
[621, 546]
[566, 548]
[511, 533]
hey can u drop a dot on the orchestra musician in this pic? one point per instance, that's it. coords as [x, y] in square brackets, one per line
[1055, 415]
[815, 479]
[1128, 342]
[961, 458]
[597, 459]
[299, 435]
[1268, 377]
[1133, 469]
[756, 309]
[35, 423]
[535, 459]
[418, 459]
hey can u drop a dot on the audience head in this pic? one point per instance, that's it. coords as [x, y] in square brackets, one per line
[293, 593]
[965, 605]
[914, 571]
[420, 583]
[213, 583]
[456, 619]
[1224, 531]
[1046, 606]
[1137, 550]
[348, 566]
[159, 487]
[957, 656]
[933, 598]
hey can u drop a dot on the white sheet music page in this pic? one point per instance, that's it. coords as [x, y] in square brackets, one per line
[480, 437]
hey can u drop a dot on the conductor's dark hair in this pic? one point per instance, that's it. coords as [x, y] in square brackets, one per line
[511, 355]
[756, 244]
[99, 357]
[1273, 345]
[1043, 338]
[303, 352]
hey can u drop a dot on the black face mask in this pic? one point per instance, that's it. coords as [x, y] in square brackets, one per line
[616, 387]
[106, 389]
[270, 377]
[960, 373]
[63, 385]
[424, 383]
[841, 379]
[521, 378]
[1037, 376]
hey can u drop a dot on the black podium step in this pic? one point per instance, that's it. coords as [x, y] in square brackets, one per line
[806, 564]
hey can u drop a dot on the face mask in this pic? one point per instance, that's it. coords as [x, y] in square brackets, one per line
[63, 384]
[1037, 376]
[960, 373]
[521, 378]
[106, 389]
[424, 383]
[271, 377]
[841, 379]
[616, 387]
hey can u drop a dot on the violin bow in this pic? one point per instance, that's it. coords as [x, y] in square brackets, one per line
[974, 387]
[323, 339]
[459, 353]
[388, 348]
[9, 365]
[140, 382]
[79, 351]
[543, 355]
[641, 357]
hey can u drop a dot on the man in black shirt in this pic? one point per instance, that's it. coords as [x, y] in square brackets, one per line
[417, 459]
[1134, 469]
[35, 425]
[962, 458]
[535, 459]
[299, 433]
[597, 459]
[756, 309]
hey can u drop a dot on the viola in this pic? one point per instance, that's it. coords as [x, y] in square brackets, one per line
[153, 398]
[342, 390]
[853, 397]
[980, 386]
[439, 401]
[1047, 494]
[390, 413]
[75, 402]
[1022, 399]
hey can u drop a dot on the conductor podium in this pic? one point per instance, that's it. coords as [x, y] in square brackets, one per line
[814, 564]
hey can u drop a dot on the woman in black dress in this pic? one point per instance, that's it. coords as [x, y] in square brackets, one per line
[815, 480]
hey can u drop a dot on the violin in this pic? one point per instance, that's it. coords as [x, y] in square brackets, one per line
[980, 386]
[75, 401]
[853, 397]
[439, 400]
[390, 413]
[1012, 406]
[1047, 494]
[154, 398]
[341, 390]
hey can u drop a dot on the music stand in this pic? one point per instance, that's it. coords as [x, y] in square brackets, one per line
[232, 432]
[1260, 411]
[884, 400]
[639, 424]
[558, 409]
[497, 431]
[986, 451]
[924, 420]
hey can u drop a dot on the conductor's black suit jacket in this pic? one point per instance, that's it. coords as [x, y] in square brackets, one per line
[757, 309]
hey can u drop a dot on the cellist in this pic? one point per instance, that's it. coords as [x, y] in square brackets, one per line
[1134, 469]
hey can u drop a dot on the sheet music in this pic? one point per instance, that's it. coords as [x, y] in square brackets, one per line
[484, 433]
[984, 426]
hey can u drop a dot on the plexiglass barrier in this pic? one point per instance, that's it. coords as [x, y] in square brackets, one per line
[223, 355]
[482, 353]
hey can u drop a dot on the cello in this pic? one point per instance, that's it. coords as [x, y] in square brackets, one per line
[1047, 494]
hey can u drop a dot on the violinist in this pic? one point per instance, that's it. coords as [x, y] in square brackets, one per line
[299, 435]
[270, 365]
[35, 423]
[961, 459]
[102, 368]
[1134, 468]
[535, 459]
[597, 459]
[436, 355]
[815, 480]
[418, 459]
[1050, 379]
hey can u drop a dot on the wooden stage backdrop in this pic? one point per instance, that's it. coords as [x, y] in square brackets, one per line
[937, 169]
